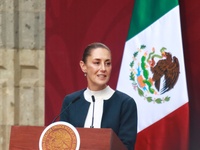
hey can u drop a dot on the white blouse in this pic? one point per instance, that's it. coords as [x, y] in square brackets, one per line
[100, 96]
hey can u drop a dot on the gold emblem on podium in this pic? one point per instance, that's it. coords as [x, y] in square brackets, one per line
[59, 136]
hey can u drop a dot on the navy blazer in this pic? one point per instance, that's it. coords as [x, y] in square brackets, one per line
[119, 113]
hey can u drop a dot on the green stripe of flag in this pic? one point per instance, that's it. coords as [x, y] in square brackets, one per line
[146, 12]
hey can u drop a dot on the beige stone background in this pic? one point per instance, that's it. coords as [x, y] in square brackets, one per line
[22, 57]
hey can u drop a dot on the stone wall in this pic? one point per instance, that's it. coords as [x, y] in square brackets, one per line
[22, 57]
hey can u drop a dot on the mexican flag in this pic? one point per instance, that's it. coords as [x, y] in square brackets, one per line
[153, 73]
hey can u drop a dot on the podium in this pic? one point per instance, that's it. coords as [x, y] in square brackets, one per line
[27, 138]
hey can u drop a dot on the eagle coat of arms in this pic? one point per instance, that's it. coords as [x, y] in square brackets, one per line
[154, 73]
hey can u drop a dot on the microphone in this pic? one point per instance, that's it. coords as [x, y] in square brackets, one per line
[92, 125]
[73, 101]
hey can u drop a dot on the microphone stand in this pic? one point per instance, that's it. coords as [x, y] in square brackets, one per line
[93, 100]
[73, 101]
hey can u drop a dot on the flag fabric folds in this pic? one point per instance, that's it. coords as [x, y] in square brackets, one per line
[153, 73]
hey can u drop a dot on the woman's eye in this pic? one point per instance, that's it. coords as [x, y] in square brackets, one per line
[108, 63]
[96, 63]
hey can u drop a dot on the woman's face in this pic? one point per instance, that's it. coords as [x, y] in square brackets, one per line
[97, 68]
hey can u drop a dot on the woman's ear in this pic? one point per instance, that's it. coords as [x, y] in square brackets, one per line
[83, 67]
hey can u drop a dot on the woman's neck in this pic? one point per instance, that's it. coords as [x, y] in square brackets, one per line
[97, 88]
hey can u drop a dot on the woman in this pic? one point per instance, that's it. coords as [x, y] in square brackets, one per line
[113, 109]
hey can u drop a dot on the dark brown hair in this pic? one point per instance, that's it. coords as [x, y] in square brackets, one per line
[90, 47]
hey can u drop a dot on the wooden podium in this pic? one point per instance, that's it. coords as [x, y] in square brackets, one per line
[27, 138]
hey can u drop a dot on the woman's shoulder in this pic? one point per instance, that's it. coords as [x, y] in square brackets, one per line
[123, 97]
[122, 94]
[75, 94]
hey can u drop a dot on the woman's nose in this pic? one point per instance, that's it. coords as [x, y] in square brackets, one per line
[103, 68]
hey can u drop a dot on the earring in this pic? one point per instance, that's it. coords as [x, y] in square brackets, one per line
[85, 74]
